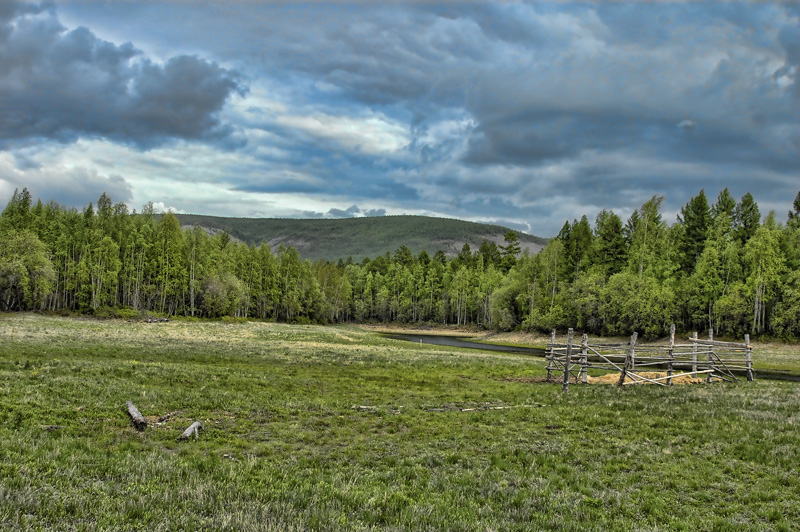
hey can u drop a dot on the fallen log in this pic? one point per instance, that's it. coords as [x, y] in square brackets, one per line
[138, 419]
[194, 429]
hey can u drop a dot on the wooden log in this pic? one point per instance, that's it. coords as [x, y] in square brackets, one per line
[633, 376]
[717, 343]
[694, 354]
[138, 419]
[194, 429]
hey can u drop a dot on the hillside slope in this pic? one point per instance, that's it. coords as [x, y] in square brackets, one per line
[362, 237]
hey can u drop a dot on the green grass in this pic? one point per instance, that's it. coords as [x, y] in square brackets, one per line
[362, 237]
[336, 428]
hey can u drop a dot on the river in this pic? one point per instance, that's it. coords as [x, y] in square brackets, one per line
[460, 341]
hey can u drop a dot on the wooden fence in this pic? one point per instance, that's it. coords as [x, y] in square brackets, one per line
[710, 358]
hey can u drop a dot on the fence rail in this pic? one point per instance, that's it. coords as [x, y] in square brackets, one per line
[711, 358]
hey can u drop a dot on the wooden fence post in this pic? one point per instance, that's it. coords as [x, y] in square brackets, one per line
[584, 358]
[551, 354]
[628, 360]
[671, 353]
[709, 379]
[565, 385]
[694, 355]
[749, 358]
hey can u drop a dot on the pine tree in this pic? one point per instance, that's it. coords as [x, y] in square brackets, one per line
[510, 251]
[696, 219]
[794, 214]
[17, 213]
[746, 218]
[610, 250]
[725, 205]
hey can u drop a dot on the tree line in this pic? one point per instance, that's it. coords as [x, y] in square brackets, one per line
[717, 266]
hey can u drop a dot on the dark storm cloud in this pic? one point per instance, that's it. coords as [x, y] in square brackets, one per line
[65, 84]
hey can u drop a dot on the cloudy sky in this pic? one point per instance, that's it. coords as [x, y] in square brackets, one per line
[506, 112]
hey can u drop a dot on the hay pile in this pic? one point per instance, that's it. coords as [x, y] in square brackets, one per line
[613, 378]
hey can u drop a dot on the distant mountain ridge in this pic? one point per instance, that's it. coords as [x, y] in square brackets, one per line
[362, 237]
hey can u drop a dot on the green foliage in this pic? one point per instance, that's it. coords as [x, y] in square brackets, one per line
[610, 249]
[765, 265]
[17, 214]
[649, 243]
[222, 294]
[578, 243]
[695, 217]
[746, 218]
[510, 251]
[632, 302]
[794, 213]
[786, 319]
[26, 273]
[725, 206]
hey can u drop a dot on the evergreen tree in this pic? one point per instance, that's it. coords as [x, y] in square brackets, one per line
[695, 217]
[794, 214]
[578, 248]
[490, 253]
[725, 205]
[610, 249]
[746, 218]
[17, 213]
[510, 251]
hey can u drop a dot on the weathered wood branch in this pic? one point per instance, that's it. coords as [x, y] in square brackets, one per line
[138, 419]
[193, 430]
[717, 343]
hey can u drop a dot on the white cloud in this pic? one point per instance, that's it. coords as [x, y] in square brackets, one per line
[371, 134]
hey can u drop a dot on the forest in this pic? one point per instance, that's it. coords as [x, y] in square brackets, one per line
[719, 265]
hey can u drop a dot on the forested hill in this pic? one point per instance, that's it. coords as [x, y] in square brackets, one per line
[362, 237]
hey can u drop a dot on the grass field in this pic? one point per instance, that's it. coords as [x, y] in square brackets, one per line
[336, 428]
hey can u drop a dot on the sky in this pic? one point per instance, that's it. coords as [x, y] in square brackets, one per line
[522, 114]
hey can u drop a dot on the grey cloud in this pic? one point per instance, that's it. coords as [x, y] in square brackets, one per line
[70, 187]
[350, 212]
[375, 212]
[63, 85]
[620, 101]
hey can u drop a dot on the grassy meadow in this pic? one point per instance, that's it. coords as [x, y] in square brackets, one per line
[337, 428]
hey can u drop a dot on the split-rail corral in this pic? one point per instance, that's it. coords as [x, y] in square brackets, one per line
[714, 359]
